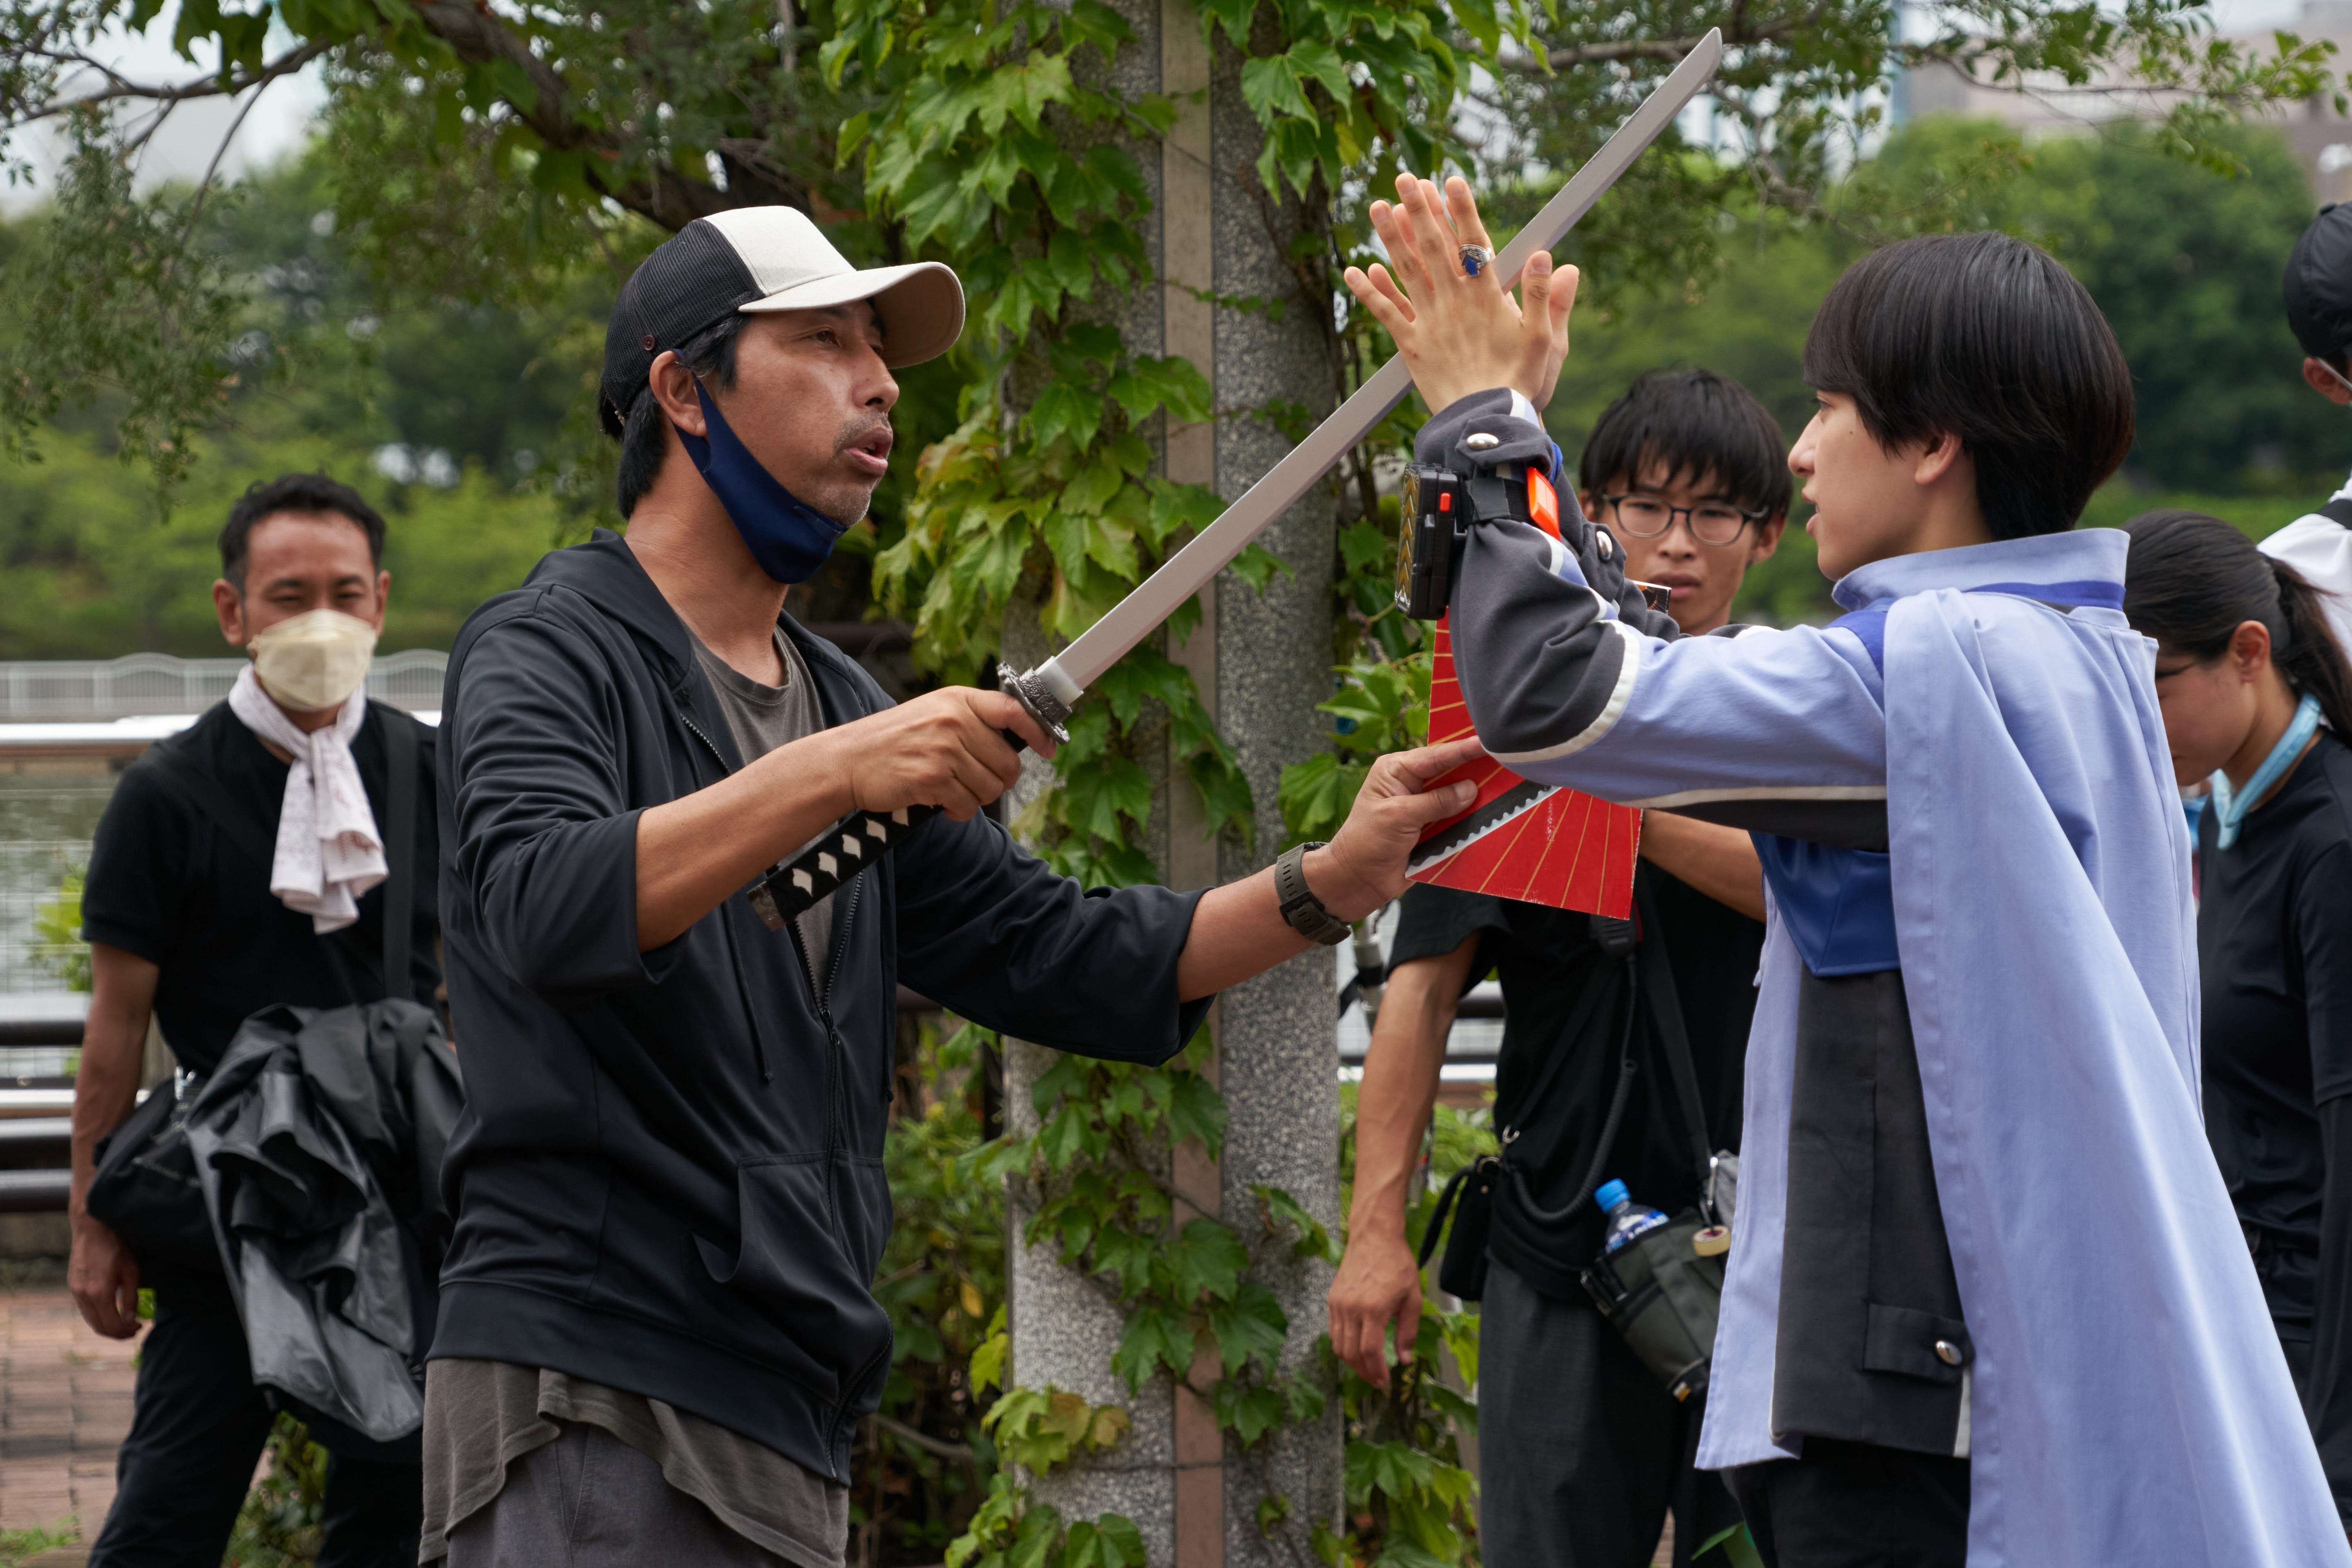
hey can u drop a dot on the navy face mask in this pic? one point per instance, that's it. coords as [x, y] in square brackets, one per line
[789, 537]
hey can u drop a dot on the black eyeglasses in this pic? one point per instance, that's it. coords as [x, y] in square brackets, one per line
[1711, 522]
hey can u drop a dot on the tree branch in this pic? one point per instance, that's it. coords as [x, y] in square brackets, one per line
[1737, 31]
[205, 186]
[959, 1453]
[120, 87]
[662, 193]
[477, 35]
[1616, 49]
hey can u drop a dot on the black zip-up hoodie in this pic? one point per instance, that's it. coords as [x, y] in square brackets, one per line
[668, 1177]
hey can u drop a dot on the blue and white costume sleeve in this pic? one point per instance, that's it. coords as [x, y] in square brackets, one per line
[1987, 716]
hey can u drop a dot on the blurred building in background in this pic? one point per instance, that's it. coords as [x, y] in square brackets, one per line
[2321, 138]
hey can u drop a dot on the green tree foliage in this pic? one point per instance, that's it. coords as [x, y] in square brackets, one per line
[504, 166]
[482, 153]
[2226, 423]
[91, 575]
[2187, 268]
[924, 1467]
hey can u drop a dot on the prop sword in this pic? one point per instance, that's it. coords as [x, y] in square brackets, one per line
[1054, 687]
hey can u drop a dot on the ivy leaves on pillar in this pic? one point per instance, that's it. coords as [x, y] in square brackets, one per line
[1138, 200]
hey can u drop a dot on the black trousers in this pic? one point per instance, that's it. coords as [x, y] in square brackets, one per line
[1856, 1505]
[197, 1424]
[1582, 1451]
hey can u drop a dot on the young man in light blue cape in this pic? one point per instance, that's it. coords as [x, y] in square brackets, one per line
[1988, 1301]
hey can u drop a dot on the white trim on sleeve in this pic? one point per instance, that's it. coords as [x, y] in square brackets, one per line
[1622, 694]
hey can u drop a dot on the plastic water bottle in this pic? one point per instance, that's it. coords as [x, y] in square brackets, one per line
[1627, 1219]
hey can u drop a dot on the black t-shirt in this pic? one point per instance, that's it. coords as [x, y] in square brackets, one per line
[1566, 1003]
[165, 884]
[2274, 948]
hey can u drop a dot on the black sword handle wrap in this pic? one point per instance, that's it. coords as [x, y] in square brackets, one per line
[792, 887]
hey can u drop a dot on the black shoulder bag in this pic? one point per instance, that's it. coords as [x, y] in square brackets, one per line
[1469, 1197]
[145, 1188]
[1662, 1290]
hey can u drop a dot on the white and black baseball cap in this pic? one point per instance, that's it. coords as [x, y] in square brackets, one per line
[2318, 285]
[763, 259]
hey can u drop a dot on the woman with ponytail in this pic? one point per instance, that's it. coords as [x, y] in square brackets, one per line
[2256, 697]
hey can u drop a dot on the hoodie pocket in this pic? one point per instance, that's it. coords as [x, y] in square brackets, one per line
[812, 1232]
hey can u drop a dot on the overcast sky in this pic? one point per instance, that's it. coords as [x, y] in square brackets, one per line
[277, 124]
[187, 142]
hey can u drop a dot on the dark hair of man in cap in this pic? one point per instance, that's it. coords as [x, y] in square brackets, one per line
[711, 355]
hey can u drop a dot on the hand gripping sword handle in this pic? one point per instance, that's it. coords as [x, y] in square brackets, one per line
[791, 888]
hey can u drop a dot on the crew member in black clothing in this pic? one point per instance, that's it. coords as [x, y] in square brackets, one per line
[2256, 697]
[186, 927]
[1583, 1452]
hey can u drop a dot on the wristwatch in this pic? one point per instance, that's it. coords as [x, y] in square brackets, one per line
[1300, 907]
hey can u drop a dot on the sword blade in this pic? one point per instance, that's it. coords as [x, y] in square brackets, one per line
[1136, 616]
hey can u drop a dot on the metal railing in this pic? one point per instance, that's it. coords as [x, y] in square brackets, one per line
[85, 691]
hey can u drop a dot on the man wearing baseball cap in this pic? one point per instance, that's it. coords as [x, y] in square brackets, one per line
[656, 1334]
[2318, 293]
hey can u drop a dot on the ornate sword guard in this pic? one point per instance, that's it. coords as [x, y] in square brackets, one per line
[1048, 709]
[792, 887]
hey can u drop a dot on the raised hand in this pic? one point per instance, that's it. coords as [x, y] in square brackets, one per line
[1461, 333]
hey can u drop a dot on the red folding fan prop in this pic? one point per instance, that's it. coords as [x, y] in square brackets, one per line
[1537, 842]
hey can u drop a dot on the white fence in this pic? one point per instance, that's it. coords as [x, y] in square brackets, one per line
[70, 690]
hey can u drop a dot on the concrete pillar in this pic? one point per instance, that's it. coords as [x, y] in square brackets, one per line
[1262, 662]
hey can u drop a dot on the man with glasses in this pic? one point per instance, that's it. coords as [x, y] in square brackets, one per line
[1582, 1451]
[1695, 533]
[2318, 290]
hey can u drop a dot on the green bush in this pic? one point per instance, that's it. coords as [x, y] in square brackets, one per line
[281, 1524]
[57, 946]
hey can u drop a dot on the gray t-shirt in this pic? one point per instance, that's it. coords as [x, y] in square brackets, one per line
[482, 1415]
[762, 718]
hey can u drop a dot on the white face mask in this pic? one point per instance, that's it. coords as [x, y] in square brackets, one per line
[314, 661]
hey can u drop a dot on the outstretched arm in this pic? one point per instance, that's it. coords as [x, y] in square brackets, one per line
[1238, 931]
[993, 934]
[1569, 679]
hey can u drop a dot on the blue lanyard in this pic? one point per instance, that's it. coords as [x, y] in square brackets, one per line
[2230, 806]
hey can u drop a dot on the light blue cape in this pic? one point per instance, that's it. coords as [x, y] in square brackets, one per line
[2129, 1402]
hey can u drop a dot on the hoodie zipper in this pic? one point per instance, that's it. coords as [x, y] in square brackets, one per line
[820, 995]
[838, 1049]
[759, 1051]
[823, 999]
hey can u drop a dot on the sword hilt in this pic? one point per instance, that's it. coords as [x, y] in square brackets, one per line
[792, 887]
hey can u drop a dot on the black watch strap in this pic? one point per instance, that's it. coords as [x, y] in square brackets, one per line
[1300, 908]
[1495, 495]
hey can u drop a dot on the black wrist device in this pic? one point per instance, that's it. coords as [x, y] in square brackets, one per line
[1437, 508]
[1301, 910]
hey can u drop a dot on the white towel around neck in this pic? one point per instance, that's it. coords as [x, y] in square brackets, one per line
[328, 851]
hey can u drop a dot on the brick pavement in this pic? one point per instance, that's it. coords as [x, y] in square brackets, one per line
[65, 1404]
